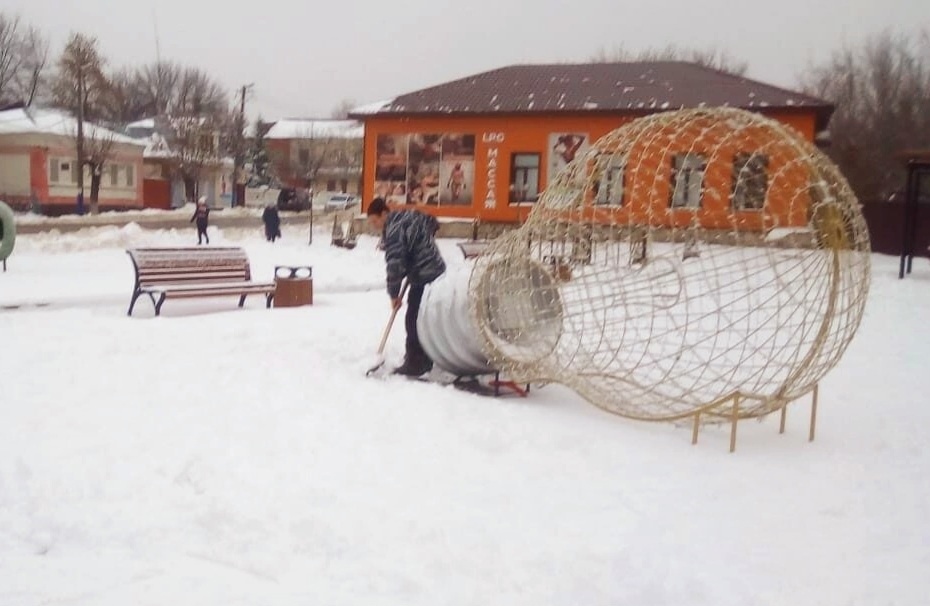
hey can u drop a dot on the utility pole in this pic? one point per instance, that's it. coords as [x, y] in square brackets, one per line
[239, 152]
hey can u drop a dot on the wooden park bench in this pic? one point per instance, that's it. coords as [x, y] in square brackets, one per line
[185, 273]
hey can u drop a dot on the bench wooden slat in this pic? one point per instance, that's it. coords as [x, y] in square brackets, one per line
[214, 287]
[188, 277]
[221, 289]
[191, 294]
[194, 272]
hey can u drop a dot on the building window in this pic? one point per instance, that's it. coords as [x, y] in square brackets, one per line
[114, 175]
[524, 177]
[750, 180]
[331, 185]
[344, 185]
[130, 175]
[688, 180]
[303, 156]
[53, 170]
[610, 185]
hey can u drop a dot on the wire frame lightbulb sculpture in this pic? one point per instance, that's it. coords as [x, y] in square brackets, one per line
[686, 258]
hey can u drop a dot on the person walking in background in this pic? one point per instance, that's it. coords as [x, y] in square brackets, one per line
[410, 251]
[202, 217]
[272, 221]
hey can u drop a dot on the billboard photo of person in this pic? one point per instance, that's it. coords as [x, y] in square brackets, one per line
[563, 148]
[457, 170]
[424, 184]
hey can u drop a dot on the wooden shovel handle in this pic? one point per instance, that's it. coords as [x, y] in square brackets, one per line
[387, 329]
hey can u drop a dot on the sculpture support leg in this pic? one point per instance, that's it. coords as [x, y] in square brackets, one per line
[734, 421]
[814, 412]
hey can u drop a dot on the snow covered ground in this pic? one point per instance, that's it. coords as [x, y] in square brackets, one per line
[218, 456]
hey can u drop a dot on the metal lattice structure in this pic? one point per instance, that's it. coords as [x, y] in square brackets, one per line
[688, 260]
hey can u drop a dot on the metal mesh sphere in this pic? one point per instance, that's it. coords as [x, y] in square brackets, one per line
[687, 257]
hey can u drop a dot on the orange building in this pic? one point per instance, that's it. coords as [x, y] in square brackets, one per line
[487, 145]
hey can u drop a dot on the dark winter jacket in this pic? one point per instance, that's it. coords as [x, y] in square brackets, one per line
[202, 215]
[410, 250]
[271, 218]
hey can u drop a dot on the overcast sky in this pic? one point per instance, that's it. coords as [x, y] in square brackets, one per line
[306, 56]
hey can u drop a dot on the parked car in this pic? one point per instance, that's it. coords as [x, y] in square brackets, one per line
[340, 202]
[291, 199]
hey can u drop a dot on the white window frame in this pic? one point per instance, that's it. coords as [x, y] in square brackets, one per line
[688, 172]
[611, 185]
[750, 181]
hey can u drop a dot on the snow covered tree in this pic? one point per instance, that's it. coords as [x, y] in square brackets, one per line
[258, 156]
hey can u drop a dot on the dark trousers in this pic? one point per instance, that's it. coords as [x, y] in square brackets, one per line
[202, 231]
[414, 349]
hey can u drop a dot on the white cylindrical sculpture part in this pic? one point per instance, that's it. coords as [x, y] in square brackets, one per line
[519, 314]
[447, 330]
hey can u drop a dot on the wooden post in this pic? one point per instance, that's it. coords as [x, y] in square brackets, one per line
[694, 430]
[814, 412]
[734, 421]
[784, 415]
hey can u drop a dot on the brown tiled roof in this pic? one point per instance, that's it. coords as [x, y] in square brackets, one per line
[642, 87]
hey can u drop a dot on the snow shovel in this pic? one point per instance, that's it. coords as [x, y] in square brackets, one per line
[387, 331]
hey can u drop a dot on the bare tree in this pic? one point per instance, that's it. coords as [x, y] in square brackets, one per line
[23, 59]
[194, 143]
[711, 58]
[81, 87]
[31, 80]
[165, 88]
[98, 148]
[169, 88]
[157, 84]
[881, 90]
[127, 101]
[197, 94]
[341, 111]
[10, 55]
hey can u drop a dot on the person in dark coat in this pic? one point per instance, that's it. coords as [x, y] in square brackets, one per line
[272, 221]
[202, 216]
[409, 241]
